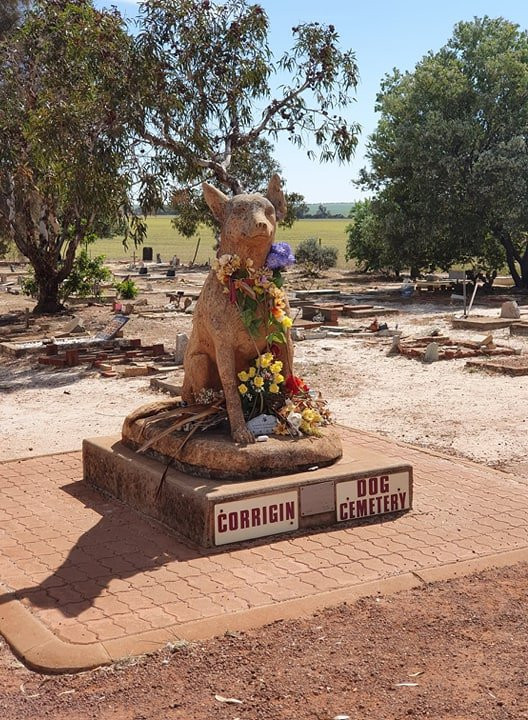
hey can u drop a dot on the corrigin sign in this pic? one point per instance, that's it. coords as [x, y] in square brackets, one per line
[255, 517]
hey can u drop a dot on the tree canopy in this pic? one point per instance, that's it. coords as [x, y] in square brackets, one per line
[64, 165]
[204, 69]
[449, 159]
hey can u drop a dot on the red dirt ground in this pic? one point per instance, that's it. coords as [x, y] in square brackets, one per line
[462, 644]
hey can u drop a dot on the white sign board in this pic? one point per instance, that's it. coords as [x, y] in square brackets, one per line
[374, 495]
[256, 517]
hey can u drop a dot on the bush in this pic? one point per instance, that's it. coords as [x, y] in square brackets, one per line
[367, 243]
[84, 280]
[127, 289]
[86, 275]
[314, 256]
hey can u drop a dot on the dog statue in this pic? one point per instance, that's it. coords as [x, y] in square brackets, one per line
[220, 346]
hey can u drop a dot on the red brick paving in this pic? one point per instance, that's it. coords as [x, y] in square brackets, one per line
[91, 570]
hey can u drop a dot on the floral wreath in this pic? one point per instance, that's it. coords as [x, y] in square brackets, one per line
[252, 289]
[262, 387]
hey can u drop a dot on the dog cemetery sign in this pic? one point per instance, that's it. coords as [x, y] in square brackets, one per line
[351, 500]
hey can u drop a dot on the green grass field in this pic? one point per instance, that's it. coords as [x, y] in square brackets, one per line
[164, 239]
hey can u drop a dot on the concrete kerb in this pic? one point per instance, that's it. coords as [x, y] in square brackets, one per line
[40, 650]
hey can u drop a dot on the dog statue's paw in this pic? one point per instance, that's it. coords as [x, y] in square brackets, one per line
[243, 435]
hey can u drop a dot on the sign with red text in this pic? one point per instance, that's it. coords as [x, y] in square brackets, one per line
[256, 517]
[376, 495]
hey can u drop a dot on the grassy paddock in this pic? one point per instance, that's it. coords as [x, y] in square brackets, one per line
[164, 239]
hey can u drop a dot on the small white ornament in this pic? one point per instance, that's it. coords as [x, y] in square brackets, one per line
[295, 420]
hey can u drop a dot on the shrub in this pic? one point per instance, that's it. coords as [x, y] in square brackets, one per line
[86, 275]
[84, 280]
[315, 256]
[127, 289]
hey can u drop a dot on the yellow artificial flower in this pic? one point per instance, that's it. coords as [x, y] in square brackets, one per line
[273, 388]
[258, 382]
[287, 322]
[276, 367]
[308, 415]
[252, 372]
[243, 376]
[278, 378]
[242, 389]
[266, 360]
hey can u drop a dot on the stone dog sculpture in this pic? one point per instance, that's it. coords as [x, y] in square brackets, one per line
[220, 346]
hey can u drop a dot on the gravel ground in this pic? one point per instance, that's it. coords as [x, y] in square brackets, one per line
[450, 651]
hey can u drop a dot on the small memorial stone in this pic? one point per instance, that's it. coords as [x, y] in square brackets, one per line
[510, 309]
[431, 353]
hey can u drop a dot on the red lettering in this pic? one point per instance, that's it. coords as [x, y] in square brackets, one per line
[373, 486]
[361, 508]
[244, 519]
[343, 515]
[255, 517]
[361, 487]
[372, 503]
[233, 521]
[378, 504]
[394, 502]
[386, 503]
[384, 484]
[290, 510]
[402, 500]
[264, 515]
[221, 522]
[273, 513]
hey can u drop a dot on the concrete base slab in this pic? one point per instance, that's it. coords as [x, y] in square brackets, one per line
[519, 328]
[481, 323]
[513, 366]
[375, 311]
[363, 483]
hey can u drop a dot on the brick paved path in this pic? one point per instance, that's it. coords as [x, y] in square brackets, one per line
[93, 572]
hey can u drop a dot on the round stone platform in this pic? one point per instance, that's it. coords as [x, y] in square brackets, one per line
[214, 455]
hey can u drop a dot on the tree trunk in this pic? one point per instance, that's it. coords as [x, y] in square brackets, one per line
[514, 260]
[48, 295]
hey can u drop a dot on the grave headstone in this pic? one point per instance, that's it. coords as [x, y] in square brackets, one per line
[179, 351]
[510, 309]
[431, 353]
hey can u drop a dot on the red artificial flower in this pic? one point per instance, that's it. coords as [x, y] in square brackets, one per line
[295, 385]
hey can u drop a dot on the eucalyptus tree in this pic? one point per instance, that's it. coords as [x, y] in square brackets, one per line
[205, 77]
[65, 85]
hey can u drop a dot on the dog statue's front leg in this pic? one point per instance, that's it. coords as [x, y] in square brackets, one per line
[225, 360]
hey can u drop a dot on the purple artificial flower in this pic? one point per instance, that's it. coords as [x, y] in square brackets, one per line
[280, 256]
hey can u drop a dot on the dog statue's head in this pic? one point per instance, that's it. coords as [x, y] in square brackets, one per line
[247, 221]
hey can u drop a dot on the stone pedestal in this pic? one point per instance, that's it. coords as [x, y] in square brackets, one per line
[212, 512]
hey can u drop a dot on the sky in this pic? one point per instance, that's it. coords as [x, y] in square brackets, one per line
[384, 34]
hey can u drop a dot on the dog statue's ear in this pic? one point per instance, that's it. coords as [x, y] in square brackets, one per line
[276, 196]
[216, 200]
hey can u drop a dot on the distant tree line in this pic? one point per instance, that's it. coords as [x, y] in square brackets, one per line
[321, 213]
